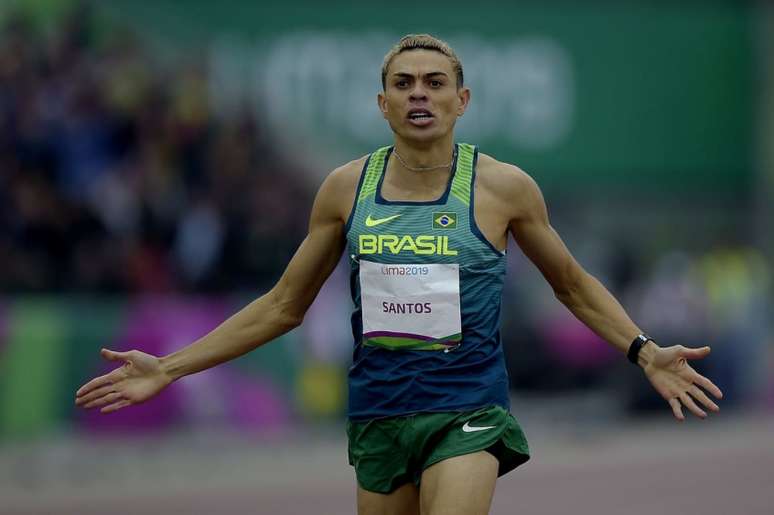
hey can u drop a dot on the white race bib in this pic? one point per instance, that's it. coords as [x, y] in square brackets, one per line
[410, 306]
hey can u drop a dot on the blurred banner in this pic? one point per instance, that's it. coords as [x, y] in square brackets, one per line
[657, 97]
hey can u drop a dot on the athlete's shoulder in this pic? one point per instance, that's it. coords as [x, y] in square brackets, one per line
[343, 178]
[348, 173]
[337, 192]
[504, 180]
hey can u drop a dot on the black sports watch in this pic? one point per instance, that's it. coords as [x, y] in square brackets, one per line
[637, 343]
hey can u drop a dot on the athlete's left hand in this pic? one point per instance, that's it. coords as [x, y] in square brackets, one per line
[678, 383]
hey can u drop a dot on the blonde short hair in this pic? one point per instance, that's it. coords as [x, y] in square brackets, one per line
[423, 42]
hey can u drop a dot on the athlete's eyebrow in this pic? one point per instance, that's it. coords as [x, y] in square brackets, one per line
[405, 75]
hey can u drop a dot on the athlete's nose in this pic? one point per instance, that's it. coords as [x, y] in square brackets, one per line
[418, 92]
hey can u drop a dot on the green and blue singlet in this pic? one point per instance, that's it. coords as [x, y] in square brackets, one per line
[427, 287]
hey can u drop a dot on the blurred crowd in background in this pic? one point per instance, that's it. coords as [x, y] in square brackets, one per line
[117, 178]
[114, 176]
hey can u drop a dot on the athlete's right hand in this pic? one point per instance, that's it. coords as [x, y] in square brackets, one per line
[140, 378]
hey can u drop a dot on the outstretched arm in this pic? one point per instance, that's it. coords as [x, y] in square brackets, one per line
[283, 307]
[666, 368]
[275, 313]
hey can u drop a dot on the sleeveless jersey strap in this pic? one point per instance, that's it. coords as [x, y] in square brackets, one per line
[463, 176]
[373, 173]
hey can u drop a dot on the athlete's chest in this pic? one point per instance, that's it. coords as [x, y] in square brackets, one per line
[431, 219]
[485, 215]
[423, 190]
[429, 230]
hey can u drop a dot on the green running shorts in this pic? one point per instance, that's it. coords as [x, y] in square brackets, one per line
[390, 452]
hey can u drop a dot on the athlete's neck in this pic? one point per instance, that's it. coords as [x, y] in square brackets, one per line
[419, 157]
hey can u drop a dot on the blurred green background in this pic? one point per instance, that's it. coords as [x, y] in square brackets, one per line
[658, 97]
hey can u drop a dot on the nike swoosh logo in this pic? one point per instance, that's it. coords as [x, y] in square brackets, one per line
[472, 429]
[371, 222]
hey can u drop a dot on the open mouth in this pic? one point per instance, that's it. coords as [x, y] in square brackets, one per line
[420, 117]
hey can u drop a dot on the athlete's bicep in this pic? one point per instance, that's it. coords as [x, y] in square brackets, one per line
[540, 242]
[310, 267]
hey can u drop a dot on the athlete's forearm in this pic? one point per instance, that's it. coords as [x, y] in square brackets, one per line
[596, 307]
[257, 323]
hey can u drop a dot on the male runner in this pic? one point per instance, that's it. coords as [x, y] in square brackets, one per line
[424, 223]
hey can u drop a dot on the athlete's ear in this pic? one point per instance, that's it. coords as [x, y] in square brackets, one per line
[463, 94]
[381, 99]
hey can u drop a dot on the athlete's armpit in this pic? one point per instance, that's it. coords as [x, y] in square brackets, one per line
[509, 200]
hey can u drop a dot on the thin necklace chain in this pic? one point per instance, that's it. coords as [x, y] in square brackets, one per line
[424, 168]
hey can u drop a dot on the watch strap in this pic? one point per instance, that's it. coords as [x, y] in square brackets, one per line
[634, 348]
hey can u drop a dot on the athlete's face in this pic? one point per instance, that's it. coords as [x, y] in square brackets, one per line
[421, 100]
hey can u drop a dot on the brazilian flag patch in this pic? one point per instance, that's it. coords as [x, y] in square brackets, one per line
[445, 220]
